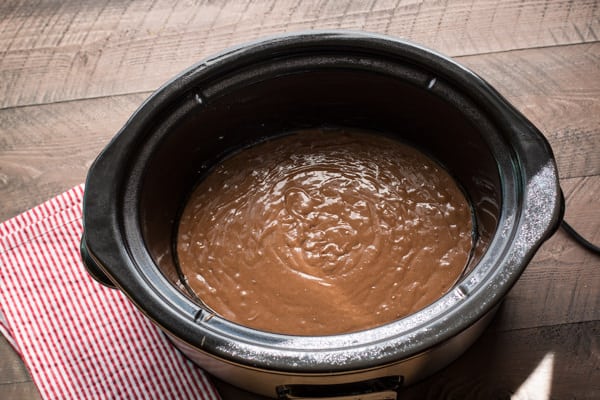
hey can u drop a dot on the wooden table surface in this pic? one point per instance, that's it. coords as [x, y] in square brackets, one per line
[72, 71]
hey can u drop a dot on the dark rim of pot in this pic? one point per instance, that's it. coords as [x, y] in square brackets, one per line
[531, 207]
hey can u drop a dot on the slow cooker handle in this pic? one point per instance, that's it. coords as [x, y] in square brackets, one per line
[385, 388]
[92, 266]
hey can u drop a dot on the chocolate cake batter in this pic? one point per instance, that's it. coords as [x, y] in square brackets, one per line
[324, 232]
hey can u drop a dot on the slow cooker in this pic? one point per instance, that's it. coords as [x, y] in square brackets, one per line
[139, 184]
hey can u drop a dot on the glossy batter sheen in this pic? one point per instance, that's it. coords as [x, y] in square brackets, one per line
[324, 232]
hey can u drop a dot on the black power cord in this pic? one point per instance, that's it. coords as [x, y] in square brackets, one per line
[580, 239]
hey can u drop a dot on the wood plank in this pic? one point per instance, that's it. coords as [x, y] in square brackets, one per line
[12, 369]
[20, 390]
[15, 382]
[55, 51]
[558, 89]
[42, 152]
[561, 283]
[555, 362]
[45, 150]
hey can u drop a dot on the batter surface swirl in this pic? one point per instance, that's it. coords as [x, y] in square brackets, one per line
[324, 232]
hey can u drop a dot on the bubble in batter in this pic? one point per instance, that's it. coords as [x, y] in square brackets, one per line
[324, 232]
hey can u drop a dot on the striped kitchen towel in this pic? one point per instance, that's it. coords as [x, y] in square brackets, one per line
[78, 339]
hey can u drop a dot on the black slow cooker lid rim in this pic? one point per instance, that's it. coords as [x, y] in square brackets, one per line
[127, 284]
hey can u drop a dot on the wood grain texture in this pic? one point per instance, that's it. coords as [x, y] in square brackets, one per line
[71, 73]
[45, 150]
[20, 390]
[55, 51]
[500, 363]
[561, 283]
[11, 370]
[15, 382]
[558, 89]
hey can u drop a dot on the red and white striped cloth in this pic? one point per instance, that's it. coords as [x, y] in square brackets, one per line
[78, 339]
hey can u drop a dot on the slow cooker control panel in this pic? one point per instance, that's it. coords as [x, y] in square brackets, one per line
[385, 388]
